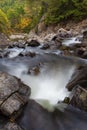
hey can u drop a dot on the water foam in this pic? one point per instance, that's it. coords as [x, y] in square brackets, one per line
[49, 86]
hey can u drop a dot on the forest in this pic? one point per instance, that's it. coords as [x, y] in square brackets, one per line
[23, 15]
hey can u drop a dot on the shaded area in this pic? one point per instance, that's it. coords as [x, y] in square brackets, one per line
[3, 121]
[35, 117]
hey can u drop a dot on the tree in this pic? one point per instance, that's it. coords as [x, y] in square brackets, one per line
[4, 23]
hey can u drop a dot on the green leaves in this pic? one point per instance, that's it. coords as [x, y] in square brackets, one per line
[23, 15]
[60, 10]
[4, 23]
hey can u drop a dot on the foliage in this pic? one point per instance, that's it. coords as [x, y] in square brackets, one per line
[23, 15]
[61, 10]
[4, 23]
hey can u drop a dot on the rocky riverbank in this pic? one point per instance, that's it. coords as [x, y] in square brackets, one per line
[35, 51]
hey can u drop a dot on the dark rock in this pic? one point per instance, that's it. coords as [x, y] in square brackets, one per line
[45, 46]
[3, 121]
[85, 33]
[54, 38]
[34, 71]
[84, 55]
[80, 51]
[12, 97]
[58, 42]
[34, 117]
[79, 99]
[31, 54]
[16, 44]
[32, 43]
[66, 100]
[79, 77]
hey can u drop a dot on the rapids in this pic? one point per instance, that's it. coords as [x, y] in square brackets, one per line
[49, 86]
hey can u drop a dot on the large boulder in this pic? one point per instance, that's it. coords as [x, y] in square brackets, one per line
[78, 78]
[79, 98]
[13, 94]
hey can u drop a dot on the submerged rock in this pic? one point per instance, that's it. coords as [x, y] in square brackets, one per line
[31, 54]
[12, 97]
[34, 71]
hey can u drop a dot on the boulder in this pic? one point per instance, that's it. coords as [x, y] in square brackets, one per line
[32, 43]
[12, 96]
[79, 98]
[79, 77]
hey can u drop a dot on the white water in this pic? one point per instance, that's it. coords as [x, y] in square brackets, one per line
[49, 86]
[13, 52]
[72, 41]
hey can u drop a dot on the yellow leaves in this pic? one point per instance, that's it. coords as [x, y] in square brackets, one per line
[24, 22]
[3, 17]
[4, 23]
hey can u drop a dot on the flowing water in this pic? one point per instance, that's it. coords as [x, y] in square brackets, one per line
[72, 41]
[48, 87]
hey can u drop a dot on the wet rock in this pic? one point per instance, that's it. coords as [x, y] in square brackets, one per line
[79, 99]
[3, 121]
[17, 44]
[85, 33]
[12, 97]
[80, 51]
[33, 43]
[31, 54]
[45, 46]
[79, 77]
[34, 71]
[12, 104]
[58, 42]
[70, 119]
[12, 126]
[66, 100]
[34, 117]
[84, 55]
